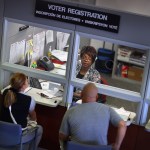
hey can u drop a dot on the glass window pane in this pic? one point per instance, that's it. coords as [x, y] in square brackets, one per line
[120, 65]
[37, 48]
[118, 103]
[124, 108]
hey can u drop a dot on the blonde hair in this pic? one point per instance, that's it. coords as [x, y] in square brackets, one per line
[9, 98]
[16, 82]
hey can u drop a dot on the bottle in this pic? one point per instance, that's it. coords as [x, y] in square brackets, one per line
[49, 52]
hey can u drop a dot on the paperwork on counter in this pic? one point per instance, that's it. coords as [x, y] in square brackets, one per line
[147, 126]
[127, 116]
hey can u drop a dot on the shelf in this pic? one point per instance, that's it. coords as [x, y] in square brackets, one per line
[126, 60]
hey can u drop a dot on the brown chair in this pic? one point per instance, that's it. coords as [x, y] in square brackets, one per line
[101, 97]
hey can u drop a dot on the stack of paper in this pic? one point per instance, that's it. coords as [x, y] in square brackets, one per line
[147, 126]
[125, 115]
[60, 55]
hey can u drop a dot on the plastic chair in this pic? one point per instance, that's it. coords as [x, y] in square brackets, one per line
[11, 135]
[71, 145]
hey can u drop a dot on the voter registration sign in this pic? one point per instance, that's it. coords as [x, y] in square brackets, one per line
[77, 15]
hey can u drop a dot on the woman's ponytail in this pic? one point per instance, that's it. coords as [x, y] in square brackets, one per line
[9, 98]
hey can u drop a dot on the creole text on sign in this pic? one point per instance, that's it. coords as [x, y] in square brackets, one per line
[78, 16]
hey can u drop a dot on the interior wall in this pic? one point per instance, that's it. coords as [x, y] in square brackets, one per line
[134, 6]
[1, 20]
[87, 2]
[1, 25]
[28, 7]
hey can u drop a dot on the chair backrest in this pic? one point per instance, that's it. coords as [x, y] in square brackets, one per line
[102, 98]
[10, 134]
[71, 145]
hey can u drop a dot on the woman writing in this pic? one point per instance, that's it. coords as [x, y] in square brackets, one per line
[17, 106]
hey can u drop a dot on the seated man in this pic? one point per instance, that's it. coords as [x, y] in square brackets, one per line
[88, 122]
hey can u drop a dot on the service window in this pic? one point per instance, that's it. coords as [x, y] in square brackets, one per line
[119, 65]
[38, 48]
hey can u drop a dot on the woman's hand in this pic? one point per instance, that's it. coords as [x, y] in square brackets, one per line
[32, 115]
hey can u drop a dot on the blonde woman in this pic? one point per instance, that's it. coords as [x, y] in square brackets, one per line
[17, 106]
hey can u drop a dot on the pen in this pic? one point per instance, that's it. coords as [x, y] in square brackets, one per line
[28, 90]
[42, 95]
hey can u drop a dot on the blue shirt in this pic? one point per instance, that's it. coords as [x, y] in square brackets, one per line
[88, 123]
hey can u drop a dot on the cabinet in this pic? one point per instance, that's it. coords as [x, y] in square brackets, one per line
[129, 64]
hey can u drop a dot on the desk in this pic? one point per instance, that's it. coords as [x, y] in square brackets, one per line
[52, 102]
[60, 66]
[61, 56]
[59, 69]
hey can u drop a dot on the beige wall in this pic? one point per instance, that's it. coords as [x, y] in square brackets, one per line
[135, 6]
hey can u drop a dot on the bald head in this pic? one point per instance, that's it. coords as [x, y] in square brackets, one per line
[89, 93]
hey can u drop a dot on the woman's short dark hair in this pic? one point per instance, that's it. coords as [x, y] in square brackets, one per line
[90, 51]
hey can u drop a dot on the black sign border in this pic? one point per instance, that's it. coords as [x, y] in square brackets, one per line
[42, 6]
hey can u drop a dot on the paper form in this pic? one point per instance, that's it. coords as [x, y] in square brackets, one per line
[60, 66]
[123, 113]
[17, 52]
[62, 39]
[38, 45]
[61, 55]
[49, 36]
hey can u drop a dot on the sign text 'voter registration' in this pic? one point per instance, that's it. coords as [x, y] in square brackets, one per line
[76, 15]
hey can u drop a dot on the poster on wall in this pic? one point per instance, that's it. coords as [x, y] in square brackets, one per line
[62, 39]
[49, 36]
[17, 52]
[77, 15]
[38, 45]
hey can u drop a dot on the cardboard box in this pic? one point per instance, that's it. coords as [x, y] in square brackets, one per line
[135, 73]
[124, 52]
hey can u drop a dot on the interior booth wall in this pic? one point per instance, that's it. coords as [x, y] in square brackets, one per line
[1, 18]
[132, 29]
[1, 28]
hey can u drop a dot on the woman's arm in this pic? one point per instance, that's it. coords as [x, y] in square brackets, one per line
[32, 115]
